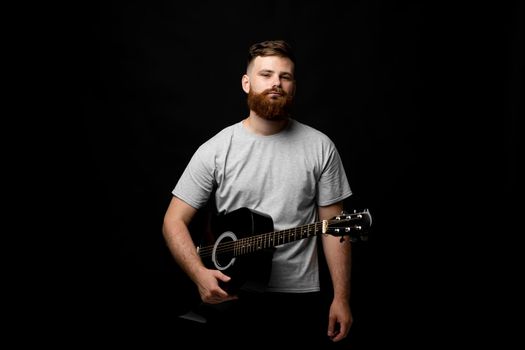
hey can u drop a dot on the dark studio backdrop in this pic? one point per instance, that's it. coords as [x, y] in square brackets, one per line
[421, 101]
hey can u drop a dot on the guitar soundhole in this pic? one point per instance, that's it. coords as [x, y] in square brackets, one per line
[223, 251]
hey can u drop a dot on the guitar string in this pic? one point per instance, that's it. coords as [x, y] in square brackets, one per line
[224, 247]
[267, 237]
[248, 244]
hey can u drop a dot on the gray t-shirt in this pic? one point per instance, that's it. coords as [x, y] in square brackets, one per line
[286, 175]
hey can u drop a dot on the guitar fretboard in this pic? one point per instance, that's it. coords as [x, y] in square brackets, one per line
[273, 239]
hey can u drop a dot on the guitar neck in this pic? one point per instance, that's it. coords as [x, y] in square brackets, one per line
[272, 239]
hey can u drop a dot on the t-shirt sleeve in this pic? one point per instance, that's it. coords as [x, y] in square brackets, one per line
[197, 181]
[333, 183]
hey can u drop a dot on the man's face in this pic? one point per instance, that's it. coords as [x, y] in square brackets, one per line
[270, 85]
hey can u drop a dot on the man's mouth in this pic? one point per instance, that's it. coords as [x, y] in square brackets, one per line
[274, 93]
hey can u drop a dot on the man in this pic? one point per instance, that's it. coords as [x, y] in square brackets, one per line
[276, 166]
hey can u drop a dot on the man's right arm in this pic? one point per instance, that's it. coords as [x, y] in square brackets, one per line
[178, 238]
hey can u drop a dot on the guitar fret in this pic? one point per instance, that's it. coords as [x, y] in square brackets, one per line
[289, 235]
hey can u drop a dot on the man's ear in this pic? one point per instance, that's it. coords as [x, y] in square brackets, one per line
[245, 81]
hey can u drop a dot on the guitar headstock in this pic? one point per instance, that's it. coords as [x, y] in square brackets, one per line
[355, 225]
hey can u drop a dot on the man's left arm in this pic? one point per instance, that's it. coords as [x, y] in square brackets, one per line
[338, 259]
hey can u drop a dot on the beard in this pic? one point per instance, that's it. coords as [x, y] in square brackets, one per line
[278, 108]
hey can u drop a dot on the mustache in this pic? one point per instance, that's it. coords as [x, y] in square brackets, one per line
[275, 90]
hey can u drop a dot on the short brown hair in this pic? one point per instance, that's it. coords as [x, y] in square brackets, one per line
[270, 48]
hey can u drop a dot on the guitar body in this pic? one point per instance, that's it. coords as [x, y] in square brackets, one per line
[250, 271]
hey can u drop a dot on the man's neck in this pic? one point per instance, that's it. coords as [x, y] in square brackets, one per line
[264, 127]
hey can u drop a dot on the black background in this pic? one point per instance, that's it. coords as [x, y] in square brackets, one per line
[424, 102]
